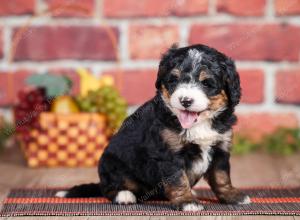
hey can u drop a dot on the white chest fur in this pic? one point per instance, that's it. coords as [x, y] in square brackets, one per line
[204, 135]
[200, 166]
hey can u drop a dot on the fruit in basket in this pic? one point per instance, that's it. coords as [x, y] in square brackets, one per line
[106, 81]
[105, 100]
[31, 102]
[88, 82]
[64, 104]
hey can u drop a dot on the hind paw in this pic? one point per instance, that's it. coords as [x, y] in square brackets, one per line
[61, 194]
[125, 197]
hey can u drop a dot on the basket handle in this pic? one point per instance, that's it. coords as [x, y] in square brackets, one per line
[56, 10]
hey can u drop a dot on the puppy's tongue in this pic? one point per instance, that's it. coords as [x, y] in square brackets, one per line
[187, 118]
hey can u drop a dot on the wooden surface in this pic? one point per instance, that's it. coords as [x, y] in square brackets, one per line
[247, 171]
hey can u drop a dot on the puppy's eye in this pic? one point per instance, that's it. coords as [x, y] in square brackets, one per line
[172, 79]
[209, 83]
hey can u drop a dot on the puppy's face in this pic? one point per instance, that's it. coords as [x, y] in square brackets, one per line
[197, 83]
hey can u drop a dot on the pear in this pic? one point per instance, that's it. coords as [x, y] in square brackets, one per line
[64, 105]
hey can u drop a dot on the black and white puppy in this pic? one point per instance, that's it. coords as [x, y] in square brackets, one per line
[182, 134]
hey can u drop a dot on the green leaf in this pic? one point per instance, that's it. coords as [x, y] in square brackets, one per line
[243, 145]
[55, 85]
[6, 131]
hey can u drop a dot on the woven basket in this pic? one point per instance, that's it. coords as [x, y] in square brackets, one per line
[66, 140]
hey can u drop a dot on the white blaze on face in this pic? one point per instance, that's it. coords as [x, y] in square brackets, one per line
[187, 117]
[196, 56]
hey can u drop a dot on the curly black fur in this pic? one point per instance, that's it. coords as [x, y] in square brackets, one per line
[139, 158]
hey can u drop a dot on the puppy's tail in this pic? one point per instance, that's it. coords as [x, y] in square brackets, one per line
[81, 191]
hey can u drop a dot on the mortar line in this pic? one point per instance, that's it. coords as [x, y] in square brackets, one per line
[143, 64]
[124, 42]
[269, 85]
[207, 19]
[7, 35]
[184, 30]
[212, 7]
[269, 11]
[98, 11]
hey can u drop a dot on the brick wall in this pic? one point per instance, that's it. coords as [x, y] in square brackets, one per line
[263, 36]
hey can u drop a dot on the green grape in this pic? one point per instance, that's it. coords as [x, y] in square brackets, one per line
[108, 101]
[112, 117]
[85, 105]
[94, 109]
[110, 106]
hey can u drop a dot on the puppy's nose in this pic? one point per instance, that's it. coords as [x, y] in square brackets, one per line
[186, 102]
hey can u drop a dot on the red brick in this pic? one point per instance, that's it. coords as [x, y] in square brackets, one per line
[149, 42]
[150, 8]
[252, 83]
[288, 86]
[137, 86]
[16, 7]
[74, 8]
[189, 7]
[1, 43]
[251, 42]
[287, 7]
[65, 42]
[256, 125]
[242, 8]
[6, 89]
[10, 84]
[19, 82]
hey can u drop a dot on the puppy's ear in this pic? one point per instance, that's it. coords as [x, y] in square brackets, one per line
[232, 81]
[165, 64]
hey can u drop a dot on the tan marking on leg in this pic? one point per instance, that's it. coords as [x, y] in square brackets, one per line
[222, 181]
[130, 185]
[179, 193]
[224, 190]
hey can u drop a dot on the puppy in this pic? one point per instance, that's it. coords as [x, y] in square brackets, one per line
[182, 134]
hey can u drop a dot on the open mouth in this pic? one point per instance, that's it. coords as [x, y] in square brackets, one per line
[188, 118]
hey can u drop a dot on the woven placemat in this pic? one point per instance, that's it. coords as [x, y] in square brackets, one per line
[41, 202]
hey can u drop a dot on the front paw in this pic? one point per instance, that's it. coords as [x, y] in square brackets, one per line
[235, 197]
[193, 206]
